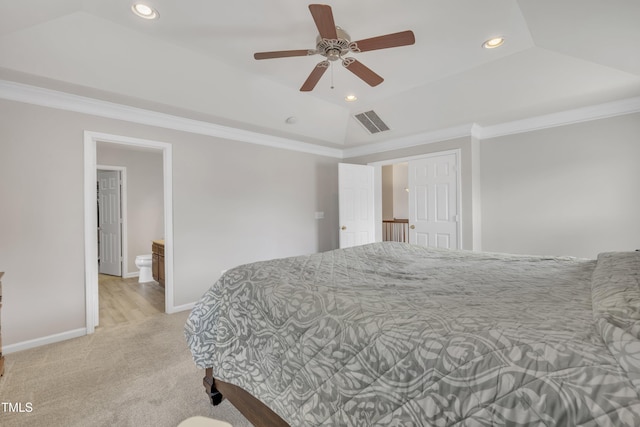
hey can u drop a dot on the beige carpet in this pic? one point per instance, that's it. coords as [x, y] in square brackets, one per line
[137, 374]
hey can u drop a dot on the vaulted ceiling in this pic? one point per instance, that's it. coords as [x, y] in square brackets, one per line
[197, 61]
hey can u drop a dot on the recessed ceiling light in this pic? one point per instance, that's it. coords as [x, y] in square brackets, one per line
[350, 98]
[144, 11]
[493, 43]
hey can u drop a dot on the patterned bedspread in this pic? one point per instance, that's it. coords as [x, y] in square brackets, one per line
[391, 334]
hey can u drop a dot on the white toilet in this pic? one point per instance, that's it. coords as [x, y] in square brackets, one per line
[143, 262]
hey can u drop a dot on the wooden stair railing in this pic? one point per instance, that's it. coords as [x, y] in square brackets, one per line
[395, 230]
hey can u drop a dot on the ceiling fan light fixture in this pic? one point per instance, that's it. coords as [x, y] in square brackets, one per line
[144, 11]
[333, 43]
[493, 42]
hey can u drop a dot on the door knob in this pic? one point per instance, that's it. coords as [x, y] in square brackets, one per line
[343, 227]
[413, 227]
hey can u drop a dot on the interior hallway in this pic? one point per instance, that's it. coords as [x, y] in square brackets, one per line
[124, 300]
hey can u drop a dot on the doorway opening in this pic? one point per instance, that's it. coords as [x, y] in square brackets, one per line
[395, 202]
[434, 198]
[91, 140]
[125, 291]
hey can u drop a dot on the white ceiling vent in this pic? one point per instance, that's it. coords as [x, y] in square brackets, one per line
[371, 121]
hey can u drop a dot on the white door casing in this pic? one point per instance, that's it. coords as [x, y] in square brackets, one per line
[433, 201]
[109, 222]
[90, 220]
[356, 204]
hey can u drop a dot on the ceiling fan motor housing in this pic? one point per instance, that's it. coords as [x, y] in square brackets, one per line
[333, 49]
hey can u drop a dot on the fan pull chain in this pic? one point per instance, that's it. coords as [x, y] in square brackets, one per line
[331, 63]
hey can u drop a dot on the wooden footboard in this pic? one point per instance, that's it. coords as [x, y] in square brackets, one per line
[253, 409]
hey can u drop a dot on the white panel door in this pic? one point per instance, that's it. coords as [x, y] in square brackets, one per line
[109, 223]
[433, 201]
[356, 204]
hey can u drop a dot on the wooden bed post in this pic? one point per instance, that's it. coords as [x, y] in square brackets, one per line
[209, 384]
[253, 409]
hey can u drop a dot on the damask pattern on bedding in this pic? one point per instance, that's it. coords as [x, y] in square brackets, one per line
[391, 334]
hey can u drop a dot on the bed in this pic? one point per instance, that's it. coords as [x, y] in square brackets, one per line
[393, 334]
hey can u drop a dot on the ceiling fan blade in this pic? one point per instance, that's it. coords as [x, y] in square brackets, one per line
[282, 54]
[323, 18]
[362, 71]
[402, 38]
[314, 77]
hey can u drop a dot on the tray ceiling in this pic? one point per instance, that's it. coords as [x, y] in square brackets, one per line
[196, 61]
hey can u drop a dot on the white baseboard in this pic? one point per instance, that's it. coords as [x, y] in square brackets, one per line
[130, 275]
[26, 345]
[184, 307]
[63, 336]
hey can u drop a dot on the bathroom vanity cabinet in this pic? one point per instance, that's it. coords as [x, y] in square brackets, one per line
[1, 356]
[157, 264]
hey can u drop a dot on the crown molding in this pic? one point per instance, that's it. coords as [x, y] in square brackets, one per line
[410, 141]
[474, 130]
[562, 118]
[80, 104]
[64, 101]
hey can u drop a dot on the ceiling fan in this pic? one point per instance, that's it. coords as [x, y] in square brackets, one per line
[333, 43]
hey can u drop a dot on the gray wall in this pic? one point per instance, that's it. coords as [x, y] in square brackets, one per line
[395, 199]
[233, 203]
[145, 198]
[570, 190]
[387, 192]
[400, 195]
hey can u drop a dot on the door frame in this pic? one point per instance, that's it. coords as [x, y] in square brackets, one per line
[377, 190]
[91, 221]
[123, 215]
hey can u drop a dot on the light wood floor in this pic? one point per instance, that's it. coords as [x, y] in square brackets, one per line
[125, 300]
